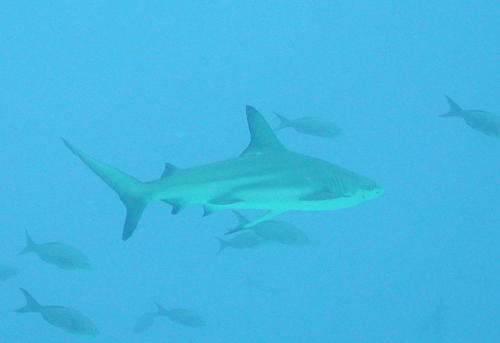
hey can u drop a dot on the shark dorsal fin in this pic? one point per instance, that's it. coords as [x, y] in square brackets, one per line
[169, 170]
[262, 137]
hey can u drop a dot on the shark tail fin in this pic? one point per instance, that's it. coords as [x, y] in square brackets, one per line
[222, 244]
[30, 245]
[160, 310]
[284, 122]
[454, 111]
[31, 304]
[130, 190]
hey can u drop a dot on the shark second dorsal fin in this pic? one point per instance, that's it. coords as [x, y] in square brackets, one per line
[262, 137]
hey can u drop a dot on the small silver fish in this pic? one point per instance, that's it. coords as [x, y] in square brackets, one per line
[145, 321]
[62, 255]
[485, 122]
[182, 316]
[244, 240]
[66, 318]
[313, 126]
[281, 232]
[8, 272]
[276, 231]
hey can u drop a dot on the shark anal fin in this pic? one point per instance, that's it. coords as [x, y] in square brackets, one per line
[248, 225]
[177, 205]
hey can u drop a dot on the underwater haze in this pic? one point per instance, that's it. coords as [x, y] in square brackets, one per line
[384, 222]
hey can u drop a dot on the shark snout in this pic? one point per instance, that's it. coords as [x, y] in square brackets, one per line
[372, 190]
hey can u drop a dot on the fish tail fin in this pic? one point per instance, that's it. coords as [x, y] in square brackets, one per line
[454, 111]
[284, 122]
[160, 310]
[31, 304]
[131, 191]
[222, 244]
[242, 222]
[30, 245]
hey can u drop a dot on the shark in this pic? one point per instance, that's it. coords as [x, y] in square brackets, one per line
[265, 176]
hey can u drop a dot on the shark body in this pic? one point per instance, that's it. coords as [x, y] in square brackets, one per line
[266, 176]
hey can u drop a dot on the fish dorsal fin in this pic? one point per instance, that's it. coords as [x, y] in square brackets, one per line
[262, 137]
[169, 170]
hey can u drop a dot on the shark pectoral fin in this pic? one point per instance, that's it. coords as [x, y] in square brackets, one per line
[323, 194]
[177, 205]
[265, 217]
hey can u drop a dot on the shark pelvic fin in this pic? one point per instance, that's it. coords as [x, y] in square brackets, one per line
[177, 205]
[262, 137]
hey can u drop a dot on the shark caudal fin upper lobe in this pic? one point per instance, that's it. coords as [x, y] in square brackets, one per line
[130, 190]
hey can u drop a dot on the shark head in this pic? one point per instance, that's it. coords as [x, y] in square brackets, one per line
[340, 189]
[369, 189]
[358, 189]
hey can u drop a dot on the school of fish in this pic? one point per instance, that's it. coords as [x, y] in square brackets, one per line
[265, 176]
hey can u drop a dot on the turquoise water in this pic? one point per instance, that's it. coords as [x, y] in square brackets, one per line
[141, 84]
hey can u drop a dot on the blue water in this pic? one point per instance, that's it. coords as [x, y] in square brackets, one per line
[138, 84]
